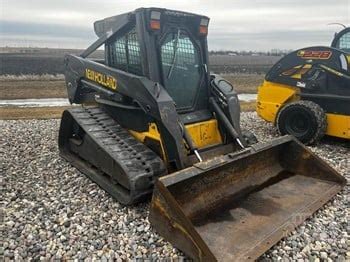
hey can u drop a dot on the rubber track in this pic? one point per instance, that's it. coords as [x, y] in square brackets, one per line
[133, 167]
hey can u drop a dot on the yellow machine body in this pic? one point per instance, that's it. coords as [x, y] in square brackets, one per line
[273, 96]
[204, 134]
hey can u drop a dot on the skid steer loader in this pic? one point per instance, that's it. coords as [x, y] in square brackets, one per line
[307, 93]
[162, 123]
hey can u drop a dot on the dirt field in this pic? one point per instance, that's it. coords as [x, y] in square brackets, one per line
[248, 106]
[245, 83]
[7, 113]
[36, 87]
[14, 112]
[22, 88]
[224, 64]
[37, 73]
[32, 89]
[50, 61]
[36, 60]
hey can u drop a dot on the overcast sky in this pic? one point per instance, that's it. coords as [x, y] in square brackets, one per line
[234, 25]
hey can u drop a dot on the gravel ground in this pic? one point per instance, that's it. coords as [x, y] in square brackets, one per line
[50, 210]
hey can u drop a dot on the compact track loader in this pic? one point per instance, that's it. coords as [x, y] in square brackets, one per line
[307, 93]
[162, 123]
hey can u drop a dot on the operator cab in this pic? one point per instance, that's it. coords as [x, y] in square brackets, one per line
[183, 59]
[166, 46]
[342, 40]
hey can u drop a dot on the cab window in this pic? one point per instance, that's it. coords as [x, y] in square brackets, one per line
[344, 42]
[180, 59]
[125, 53]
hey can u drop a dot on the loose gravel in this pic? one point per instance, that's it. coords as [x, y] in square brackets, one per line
[51, 211]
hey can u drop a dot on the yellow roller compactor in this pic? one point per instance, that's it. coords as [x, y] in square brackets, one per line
[307, 93]
[161, 123]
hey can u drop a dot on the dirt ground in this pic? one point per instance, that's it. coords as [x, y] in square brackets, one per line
[14, 112]
[245, 83]
[22, 89]
[248, 106]
[36, 89]
[7, 113]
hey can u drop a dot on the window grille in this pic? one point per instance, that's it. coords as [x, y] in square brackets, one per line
[344, 42]
[125, 53]
[180, 66]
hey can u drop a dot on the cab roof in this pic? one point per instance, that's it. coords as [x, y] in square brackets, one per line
[112, 24]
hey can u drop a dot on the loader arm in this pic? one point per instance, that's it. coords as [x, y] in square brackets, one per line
[86, 78]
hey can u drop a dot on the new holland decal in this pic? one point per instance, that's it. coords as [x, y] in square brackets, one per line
[314, 54]
[102, 79]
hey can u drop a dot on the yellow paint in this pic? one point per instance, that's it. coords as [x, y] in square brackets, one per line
[203, 134]
[338, 125]
[298, 71]
[314, 54]
[271, 96]
[152, 133]
[302, 71]
[102, 79]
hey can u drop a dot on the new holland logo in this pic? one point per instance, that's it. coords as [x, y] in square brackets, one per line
[314, 54]
[102, 79]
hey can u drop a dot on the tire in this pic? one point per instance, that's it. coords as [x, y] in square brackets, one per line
[304, 120]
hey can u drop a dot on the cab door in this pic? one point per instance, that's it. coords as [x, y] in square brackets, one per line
[182, 68]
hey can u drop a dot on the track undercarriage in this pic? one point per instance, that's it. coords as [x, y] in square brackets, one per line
[99, 147]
